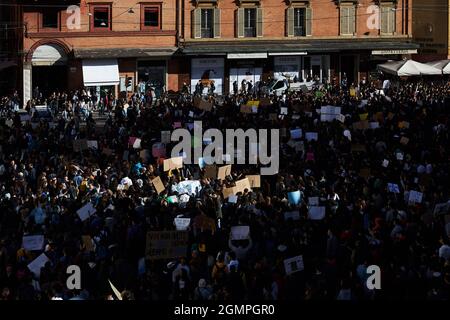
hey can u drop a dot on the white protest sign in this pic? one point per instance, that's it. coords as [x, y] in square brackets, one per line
[294, 215]
[316, 212]
[399, 156]
[313, 201]
[385, 163]
[33, 243]
[92, 144]
[240, 232]
[36, 265]
[341, 118]
[86, 211]
[374, 125]
[182, 223]
[284, 110]
[293, 265]
[415, 196]
[393, 187]
[137, 144]
[232, 199]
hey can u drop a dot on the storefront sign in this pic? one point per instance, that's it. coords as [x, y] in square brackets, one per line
[393, 52]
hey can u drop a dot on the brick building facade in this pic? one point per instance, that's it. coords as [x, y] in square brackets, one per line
[120, 45]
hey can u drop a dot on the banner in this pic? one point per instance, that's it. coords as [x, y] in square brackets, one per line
[166, 244]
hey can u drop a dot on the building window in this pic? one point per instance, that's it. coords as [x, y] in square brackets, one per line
[250, 22]
[387, 19]
[298, 21]
[206, 23]
[151, 17]
[347, 19]
[101, 17]
[50, 18]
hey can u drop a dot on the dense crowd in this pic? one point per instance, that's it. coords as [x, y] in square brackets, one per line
[44, 181]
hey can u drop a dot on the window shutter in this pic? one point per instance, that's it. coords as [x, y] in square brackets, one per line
[290, 22]
[308, 18]
[392, 19]
[240, 22]
[343, 19]
[196, 23]
[216, 23]
[259, 22]
[352, 20]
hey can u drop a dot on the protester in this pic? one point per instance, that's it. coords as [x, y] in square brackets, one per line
[381, 172]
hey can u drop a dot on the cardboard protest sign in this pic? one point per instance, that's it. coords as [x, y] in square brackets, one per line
[296, 134]
[294, 215]
[227, 192]
[166, 244]
[312, 136]
[173, 163]
[92, 144]
[240, 232]
[246, 108]
[242, 185]
[255, 181]
[415, 196]
[263, 102]
[205, 105]
[165, 136]
[404, 140]
[203, 222]
[294, 197]
[364, 173]
[158, 184]
[393, 187]
[293, 265]
[36, 265]
[313, 201]
[107, 151]
[86, 211]
[316, 212]
[223, 172]
[361, 125]
[80, 145]
[356, 147]
[33, 243]
[210, 172]
[403, 125]
[88, 243]
[182, 223]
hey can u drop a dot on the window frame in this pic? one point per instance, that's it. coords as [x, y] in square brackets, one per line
[92, 9]
[212, 22]
[58, 21]
[347, 6]
[254, 22]
[296, 9]
[146, 6]
[391, 9]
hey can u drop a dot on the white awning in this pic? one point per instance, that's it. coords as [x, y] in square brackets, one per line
[407, 68]
[302, 53]
[262, 55]
[100, 72]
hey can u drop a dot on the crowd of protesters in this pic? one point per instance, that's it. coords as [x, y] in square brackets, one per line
[44, 181]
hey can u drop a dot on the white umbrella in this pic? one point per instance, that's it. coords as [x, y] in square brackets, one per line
[408, 68]
[443, 65]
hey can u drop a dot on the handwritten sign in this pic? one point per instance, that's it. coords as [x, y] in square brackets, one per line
[294, 264]
[166, 244]
[158, 184]
[255, 181]
[173, 163]
[86, 211]
[223, 172]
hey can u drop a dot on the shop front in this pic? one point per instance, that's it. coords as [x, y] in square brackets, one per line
[152, 74]
[100, 76]
[210, 71]
[245, 68]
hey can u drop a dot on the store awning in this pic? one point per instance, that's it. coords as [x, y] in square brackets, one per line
[100, 53]
[443, 65]
[100, 72]
[299, 46]
[408, 68]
